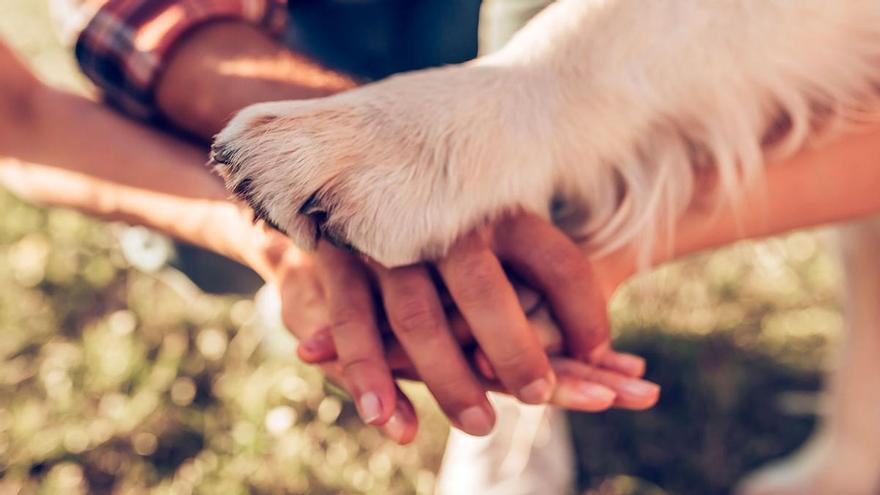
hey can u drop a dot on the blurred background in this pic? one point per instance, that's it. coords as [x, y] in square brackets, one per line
[118, 374]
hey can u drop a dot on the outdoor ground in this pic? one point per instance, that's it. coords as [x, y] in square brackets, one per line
[114, 379]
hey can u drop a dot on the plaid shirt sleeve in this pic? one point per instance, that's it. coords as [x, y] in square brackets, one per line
[123, 45]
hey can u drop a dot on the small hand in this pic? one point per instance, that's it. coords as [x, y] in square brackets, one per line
[596, 379]
[304, 307]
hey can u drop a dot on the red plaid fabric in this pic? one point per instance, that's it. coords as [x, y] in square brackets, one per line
[125, 43]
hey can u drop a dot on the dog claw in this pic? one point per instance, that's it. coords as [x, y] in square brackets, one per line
[221, 154]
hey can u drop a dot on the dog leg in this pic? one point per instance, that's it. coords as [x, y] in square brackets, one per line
[598, 112]
[843, 457]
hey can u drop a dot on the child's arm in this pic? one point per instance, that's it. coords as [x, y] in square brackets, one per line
[107, 165]
[837, 182]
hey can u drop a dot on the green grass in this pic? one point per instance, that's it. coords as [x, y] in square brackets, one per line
[116, 380]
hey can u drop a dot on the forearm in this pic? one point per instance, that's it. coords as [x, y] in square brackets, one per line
[76, 134]
[103, 164]
[837, 182]
[223, 67]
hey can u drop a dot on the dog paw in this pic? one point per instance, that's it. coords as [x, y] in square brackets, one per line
[396, 170]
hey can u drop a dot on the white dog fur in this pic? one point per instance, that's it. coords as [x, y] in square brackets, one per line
[600, 113]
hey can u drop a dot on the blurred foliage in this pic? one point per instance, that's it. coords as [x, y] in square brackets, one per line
[118, 380]
[738, 339]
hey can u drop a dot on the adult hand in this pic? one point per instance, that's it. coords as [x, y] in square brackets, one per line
[490, 312]
[304, 308]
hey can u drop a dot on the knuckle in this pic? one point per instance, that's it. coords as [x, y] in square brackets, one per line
[564, 266]
[352, 329]
[456, 395]
[415, 316]
[519, 365]
[350, 317]
[477, 279]
[355, 365]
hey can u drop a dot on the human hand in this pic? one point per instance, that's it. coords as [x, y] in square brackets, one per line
[293, 273]
[596, 379]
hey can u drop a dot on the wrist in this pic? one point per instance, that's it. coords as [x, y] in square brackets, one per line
[238, 239]
[252, 244]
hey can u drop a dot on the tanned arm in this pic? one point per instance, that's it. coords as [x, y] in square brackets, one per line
[837, 182]
[223, 67]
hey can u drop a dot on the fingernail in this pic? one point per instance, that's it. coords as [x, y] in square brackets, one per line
[316, 342]
[537, 392]
[312, 346]
[476, 421]
[633, 363]
[597, 393]
[640, 388]
[370, 407]
[596, 355]
[396, 426]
